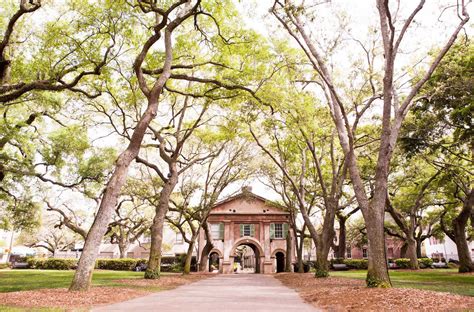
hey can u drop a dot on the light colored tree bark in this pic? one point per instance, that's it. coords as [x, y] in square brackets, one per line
[83, 276]
[373, 209]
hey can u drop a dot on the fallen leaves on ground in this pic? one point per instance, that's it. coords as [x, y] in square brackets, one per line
[61, 297]
[343, 294]
[166, 282]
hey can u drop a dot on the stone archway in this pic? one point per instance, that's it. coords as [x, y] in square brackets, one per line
[215, 261]
[279, 256]
[280, 262]
[255, 246]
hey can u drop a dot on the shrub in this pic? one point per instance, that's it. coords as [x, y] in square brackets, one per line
[51, 264]
[32, 262]
[4, 265]
[168, 264]
[337, 261]
[425, 262]
[124, 264]
[452, 265]
[357, 264]
[306, 266]
[402, 263]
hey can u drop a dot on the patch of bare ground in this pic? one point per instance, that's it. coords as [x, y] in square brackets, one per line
[343, 294]
[100, 295]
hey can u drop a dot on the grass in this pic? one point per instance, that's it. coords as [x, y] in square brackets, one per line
[15, 280]
[446, 280]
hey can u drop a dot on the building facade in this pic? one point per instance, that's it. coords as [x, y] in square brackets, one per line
[248, 220]
[444, 248]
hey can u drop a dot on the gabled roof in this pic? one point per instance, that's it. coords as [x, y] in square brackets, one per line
[247, 194]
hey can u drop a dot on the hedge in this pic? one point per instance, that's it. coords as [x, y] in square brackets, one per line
[51, 263]
[425, 262]
[357, 264]
[124, 264]
[402, 263]
[4, 265]
[168, 264]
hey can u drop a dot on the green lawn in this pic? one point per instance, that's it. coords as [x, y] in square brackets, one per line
[447, 280]
[14, 280]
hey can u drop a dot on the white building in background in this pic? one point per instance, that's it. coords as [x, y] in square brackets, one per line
[444, 248]
[173, 244]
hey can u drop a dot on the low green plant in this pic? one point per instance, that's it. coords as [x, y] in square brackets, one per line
[425, 262]
[4, 265]
[357, 264]
[338, 261]
[402, 263]
[124, 264]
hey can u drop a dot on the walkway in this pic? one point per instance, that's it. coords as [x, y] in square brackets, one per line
[239, 292]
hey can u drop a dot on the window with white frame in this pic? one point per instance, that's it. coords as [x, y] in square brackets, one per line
[247, 230]
[278, 230]
[217, 231]
[364, 253]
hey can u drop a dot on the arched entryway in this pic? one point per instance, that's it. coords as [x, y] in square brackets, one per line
[280, 262]
[247, 254]
[214, 262]
[246, 259]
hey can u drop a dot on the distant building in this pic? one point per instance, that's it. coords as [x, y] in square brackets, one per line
[444, 248]
[247, 219]
[173, 244]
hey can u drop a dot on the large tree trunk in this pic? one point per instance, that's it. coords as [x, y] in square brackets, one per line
[377, 273]
[326, 239]
[419, 243]
[83, 276]
[340, 250]
[459, 231]
[189, 255]
[289, 252]
[203, 264]
[299, 246]
[403, 250]
[411, 253]
[300, 254]
[322, 265]
[154, 262]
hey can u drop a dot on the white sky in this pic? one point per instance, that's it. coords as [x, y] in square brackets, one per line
[360, 13]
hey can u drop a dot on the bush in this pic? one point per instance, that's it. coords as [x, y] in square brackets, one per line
[56, 264]
[337, 261]
[4, 265]
[402, 263]
[306, 266]
[168, 264]
[124, 264]
[357, 264]
[425, 262]
[33, 262]
[51, 263]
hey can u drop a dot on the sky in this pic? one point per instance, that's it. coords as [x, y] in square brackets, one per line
[431, 30]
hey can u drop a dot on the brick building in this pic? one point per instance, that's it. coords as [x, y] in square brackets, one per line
[248, 220]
